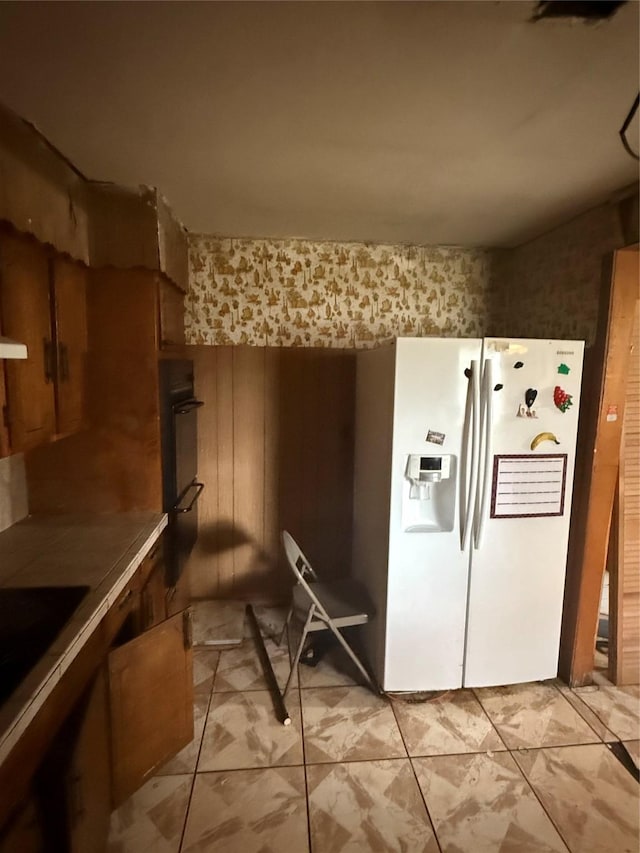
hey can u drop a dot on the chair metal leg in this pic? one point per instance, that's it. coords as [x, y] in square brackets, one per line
[294, 664]
[351, 654]
[285, 626]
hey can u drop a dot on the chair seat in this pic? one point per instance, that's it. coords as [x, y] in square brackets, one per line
[345, 601]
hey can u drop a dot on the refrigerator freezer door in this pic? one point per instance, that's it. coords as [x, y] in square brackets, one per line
[428, 570]
[517, 573]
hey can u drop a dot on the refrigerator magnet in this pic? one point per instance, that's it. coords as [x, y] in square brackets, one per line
[561, 399]
[435, 437]
[526, 409]
[543, 436]
[564, 368]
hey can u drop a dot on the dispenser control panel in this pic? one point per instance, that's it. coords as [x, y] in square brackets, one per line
[428, 469]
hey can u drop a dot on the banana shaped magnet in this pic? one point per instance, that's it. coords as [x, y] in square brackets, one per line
[543, 436]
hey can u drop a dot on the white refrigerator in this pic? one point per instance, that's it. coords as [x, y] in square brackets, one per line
[464, 463]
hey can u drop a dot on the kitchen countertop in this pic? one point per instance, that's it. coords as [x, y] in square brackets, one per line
[99, 551]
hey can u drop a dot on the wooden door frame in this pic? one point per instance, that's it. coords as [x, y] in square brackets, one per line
[598, 455]
[622, 670]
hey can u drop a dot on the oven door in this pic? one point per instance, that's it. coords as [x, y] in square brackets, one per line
[182, 503]
[185, 425]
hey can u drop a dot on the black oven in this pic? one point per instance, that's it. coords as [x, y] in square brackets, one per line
[180, 485]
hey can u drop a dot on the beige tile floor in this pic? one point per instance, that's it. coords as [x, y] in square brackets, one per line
[520, 769]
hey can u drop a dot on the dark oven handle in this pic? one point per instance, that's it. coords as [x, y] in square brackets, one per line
[186, 406]
[198, 487]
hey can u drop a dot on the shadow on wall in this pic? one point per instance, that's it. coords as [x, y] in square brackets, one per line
[223, 537]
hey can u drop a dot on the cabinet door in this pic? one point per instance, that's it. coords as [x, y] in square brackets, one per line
[89, 780]
[153, 608]
[26, 317]
[171, 301]
[70, 295]
[151, 697]
[178, 596]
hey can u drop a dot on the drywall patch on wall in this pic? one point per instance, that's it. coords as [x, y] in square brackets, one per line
[315, 294]
[13, 491]
[550, 287]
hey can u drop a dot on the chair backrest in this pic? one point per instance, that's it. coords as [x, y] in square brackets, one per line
[301, 567]
[299, 563]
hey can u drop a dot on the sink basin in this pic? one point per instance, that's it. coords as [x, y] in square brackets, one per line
[30, 620]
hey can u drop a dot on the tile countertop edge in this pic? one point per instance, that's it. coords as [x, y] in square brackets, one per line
[54, 665]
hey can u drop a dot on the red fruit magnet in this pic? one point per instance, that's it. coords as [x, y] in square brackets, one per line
[562, 399]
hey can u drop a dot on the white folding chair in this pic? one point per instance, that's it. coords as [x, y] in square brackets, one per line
[323, 607]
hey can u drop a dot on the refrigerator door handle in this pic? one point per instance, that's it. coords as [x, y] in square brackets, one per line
[472, 414]
[487, 433]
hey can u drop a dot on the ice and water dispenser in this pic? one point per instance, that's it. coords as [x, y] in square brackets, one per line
[429, 493]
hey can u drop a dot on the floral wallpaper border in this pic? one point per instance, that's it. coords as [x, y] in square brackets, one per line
[325, 294]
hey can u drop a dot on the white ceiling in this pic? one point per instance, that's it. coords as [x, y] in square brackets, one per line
[426, 122]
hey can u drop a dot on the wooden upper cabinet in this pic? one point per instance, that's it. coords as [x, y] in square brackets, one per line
[171, 308]
[26, 317]
[70, 317]
[44, 305]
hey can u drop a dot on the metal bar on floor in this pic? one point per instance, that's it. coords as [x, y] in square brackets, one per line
[276, 695]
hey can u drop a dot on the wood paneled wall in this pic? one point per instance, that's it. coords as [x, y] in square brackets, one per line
[275, 451]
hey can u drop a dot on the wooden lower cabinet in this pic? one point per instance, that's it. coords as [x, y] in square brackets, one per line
[178, 596]
[74, 780]
[152, 605]
[151, 702]
[24, 832]
[88, 781]
[135, 713]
